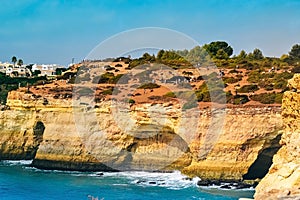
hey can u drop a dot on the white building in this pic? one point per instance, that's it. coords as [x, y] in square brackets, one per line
[48, 70]
[21, 71]
[4, 66]
[14, 71]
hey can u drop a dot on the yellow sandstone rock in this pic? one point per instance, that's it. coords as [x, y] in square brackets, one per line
[283, 179]
[219, 143]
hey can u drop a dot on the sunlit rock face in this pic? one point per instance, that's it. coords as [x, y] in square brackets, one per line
[212, 143]
[21, 134]
[283, 178]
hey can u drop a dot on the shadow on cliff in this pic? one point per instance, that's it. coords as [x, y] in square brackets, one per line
[21, 144]
[155, 148]
[38, 132]
[264, 160]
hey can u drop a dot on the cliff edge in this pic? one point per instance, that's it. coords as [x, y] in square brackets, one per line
[283, 178]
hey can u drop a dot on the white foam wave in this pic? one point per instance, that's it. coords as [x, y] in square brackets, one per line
[221, 188]
[16, 162]
[72, 173]
[174, 180]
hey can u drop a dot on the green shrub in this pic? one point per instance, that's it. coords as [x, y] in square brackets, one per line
[230, 80]
[283, 75]
[247, 88]
[278, 98]
[149, 86]
[237, 99]
[233, 71]
[170, 94]
[215, 95]
[131, 101]
[263, 83]
[280, 84]
[108, 77]
[268, 98]
[269, 87]
[280, 80]
[212, 93]
[135, 63]
[3, 96]
[296, 69]
[121, 79]
[67, 75]
[254, 77]
[110, 91]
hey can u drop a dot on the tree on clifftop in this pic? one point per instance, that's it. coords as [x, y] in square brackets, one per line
[160, 54]
[242, 54]
[221, 54]
[14, 60]
[295, 52]
[214, 47]
[256, 54]
[20, 62]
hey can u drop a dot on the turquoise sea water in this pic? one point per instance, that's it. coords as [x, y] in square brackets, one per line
[19, 181]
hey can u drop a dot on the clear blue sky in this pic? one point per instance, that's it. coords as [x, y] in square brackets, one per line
[55, 31]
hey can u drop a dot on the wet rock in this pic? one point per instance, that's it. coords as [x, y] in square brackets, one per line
[204, 183]
[140, 181]
[226, 187]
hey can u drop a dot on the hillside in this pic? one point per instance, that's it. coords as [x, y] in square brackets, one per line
[154, 82]
[210, 71]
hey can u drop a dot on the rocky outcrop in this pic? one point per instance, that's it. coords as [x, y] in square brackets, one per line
[21, 134]
[212, 143]
[283, 178]
[247, 134]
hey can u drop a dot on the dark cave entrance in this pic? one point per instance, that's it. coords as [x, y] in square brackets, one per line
[38, 132]
[264, 161]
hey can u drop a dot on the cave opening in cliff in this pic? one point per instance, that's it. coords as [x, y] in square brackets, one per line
[264, 160]
[38, 132]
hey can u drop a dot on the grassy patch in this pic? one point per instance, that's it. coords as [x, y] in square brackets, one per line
[268, 98]
[248, 88]
[149, 86]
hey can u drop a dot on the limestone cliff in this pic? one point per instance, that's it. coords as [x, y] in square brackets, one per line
[245, 147]
[20, 134]
[283, 178]
[212, 143]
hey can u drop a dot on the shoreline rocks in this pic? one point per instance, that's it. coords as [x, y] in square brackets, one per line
[226, 184]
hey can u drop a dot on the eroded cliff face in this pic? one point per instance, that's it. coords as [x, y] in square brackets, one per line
[247, 134]
[283, 178]
[21, 134]
[219, 143]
